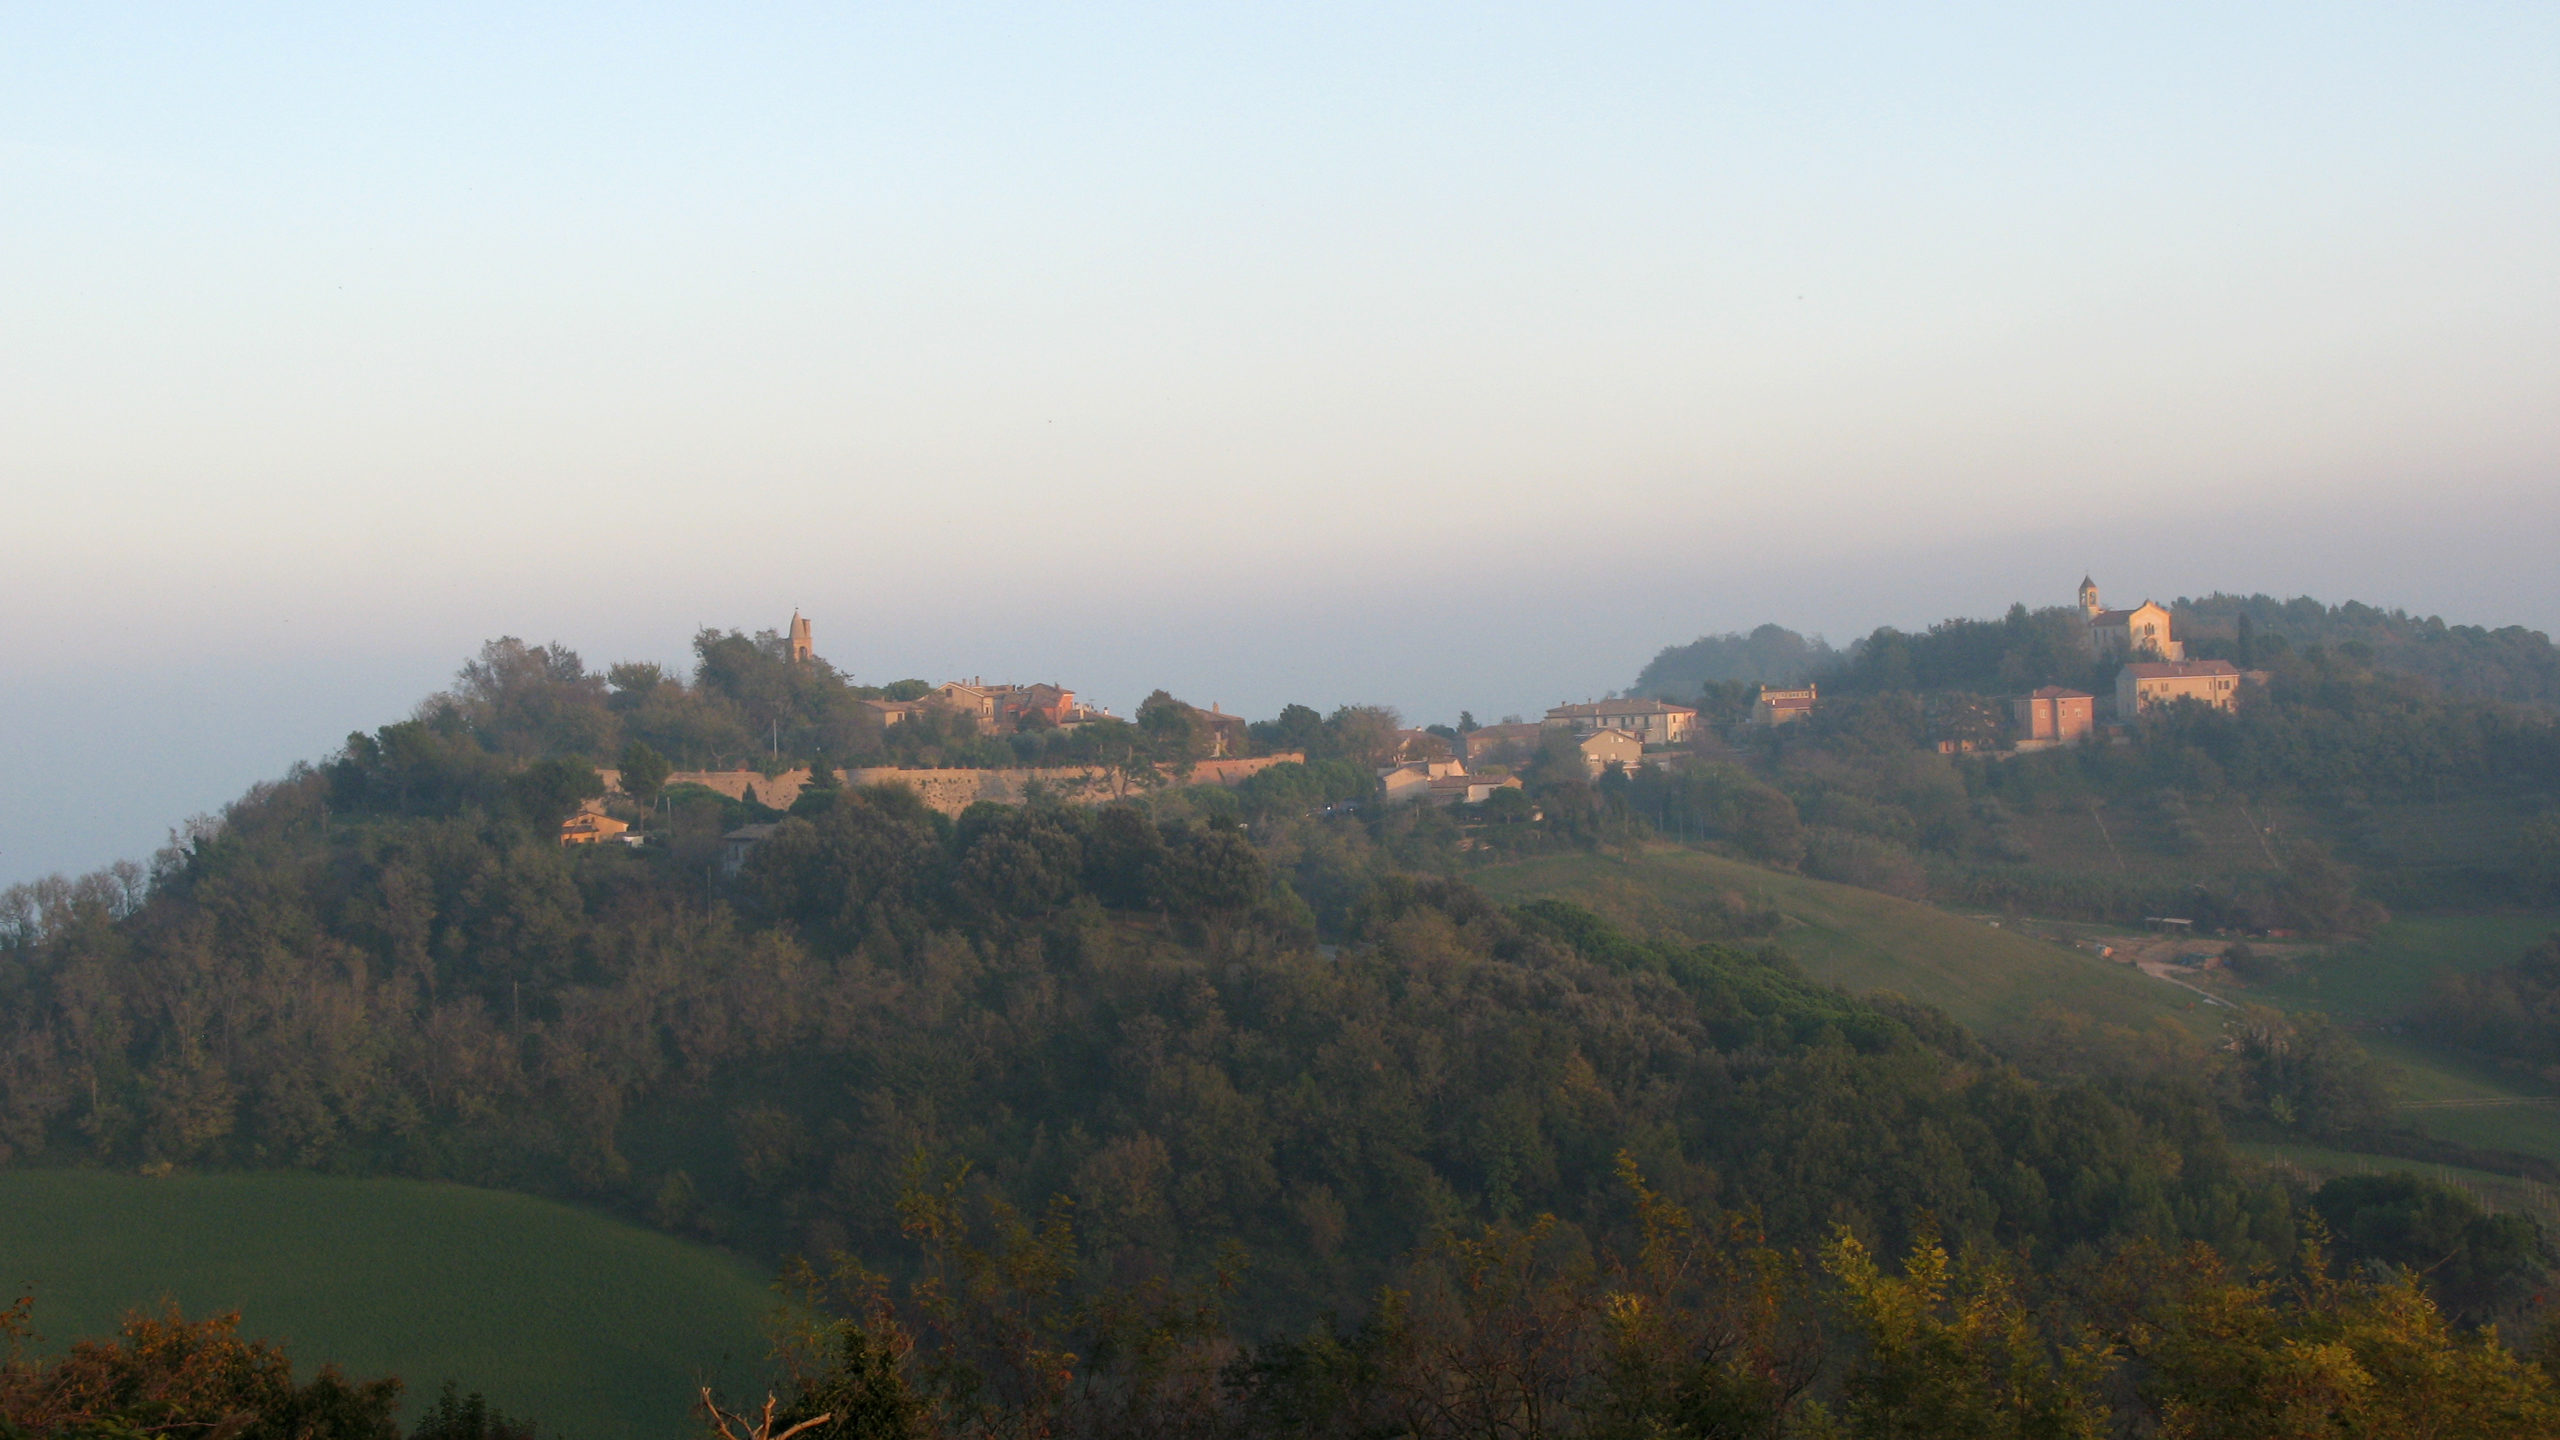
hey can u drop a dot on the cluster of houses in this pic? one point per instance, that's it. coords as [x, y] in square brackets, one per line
[994, 707]
[1604, 732]
[2155, 672]
[1427, 768]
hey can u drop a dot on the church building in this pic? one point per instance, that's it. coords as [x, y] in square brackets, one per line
[2141, 633]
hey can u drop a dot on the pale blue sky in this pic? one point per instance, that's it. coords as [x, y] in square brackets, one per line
[1444, 356]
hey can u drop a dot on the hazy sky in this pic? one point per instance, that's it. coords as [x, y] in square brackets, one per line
[1440, 356]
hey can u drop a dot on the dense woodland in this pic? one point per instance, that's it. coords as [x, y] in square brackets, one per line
[1247, 1103]
[1077, 1000]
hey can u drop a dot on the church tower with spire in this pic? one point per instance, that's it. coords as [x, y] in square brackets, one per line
[2089, 597]
[802, 650]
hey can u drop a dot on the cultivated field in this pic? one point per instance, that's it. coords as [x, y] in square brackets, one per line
[594, 1328]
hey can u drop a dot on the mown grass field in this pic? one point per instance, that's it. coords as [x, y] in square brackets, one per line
[591, 1327]
[1990, 978]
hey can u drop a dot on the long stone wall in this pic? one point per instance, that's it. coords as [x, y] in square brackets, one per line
[952, 791]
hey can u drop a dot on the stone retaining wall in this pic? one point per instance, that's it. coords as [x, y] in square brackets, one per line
[952, 791]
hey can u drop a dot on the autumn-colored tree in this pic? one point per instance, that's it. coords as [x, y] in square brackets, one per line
[1706, 1327]
[1953, 1350]
[2230, 1355]
[167, 1375]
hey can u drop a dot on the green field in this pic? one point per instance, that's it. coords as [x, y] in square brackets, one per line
[592, 1327]
[2380, 980]
[1988, 977]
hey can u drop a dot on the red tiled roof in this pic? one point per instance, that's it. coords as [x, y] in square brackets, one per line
[1623, 707]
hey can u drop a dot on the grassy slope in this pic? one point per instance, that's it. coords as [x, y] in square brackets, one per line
[1989, 978]
[2378, 982]
[1994, 979]
[2373, 985]
[2382, 979]
[592, 1327]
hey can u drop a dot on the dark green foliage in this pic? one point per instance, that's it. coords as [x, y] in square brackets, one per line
[2510, 1014]
[1297, 727]
[1769, 654]
[2510, 663]
[2300, 1074]
[549, 791]
[456, 1416]
[2016, 653]
[644, 772]
[2538, 856]
[1721, 802]
[1291, 788]
[2479, 1266]
[862, 1390]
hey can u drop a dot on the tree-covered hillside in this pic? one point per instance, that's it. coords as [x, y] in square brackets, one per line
[1162, 1082]
[1244, 1023]
[2509, 663]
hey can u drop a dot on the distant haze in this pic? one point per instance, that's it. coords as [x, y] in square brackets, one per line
[1451, 357]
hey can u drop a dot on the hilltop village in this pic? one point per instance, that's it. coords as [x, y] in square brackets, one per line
[1464, 765]
[1999, 926]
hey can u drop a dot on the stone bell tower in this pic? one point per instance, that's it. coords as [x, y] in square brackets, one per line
[802, 650]
[2089, 597]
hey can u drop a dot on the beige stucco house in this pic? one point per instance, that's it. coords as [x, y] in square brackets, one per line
[2146, 684]
[1603, 748]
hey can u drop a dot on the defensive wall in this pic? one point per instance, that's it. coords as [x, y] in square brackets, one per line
[952, 791]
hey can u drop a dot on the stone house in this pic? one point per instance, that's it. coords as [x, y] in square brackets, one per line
[1441, 782]
[738, 844]
[1780, 707]
[1411, 780]
[1470, 789]
[1652, 722]
[1227, 734]
[965, 697]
